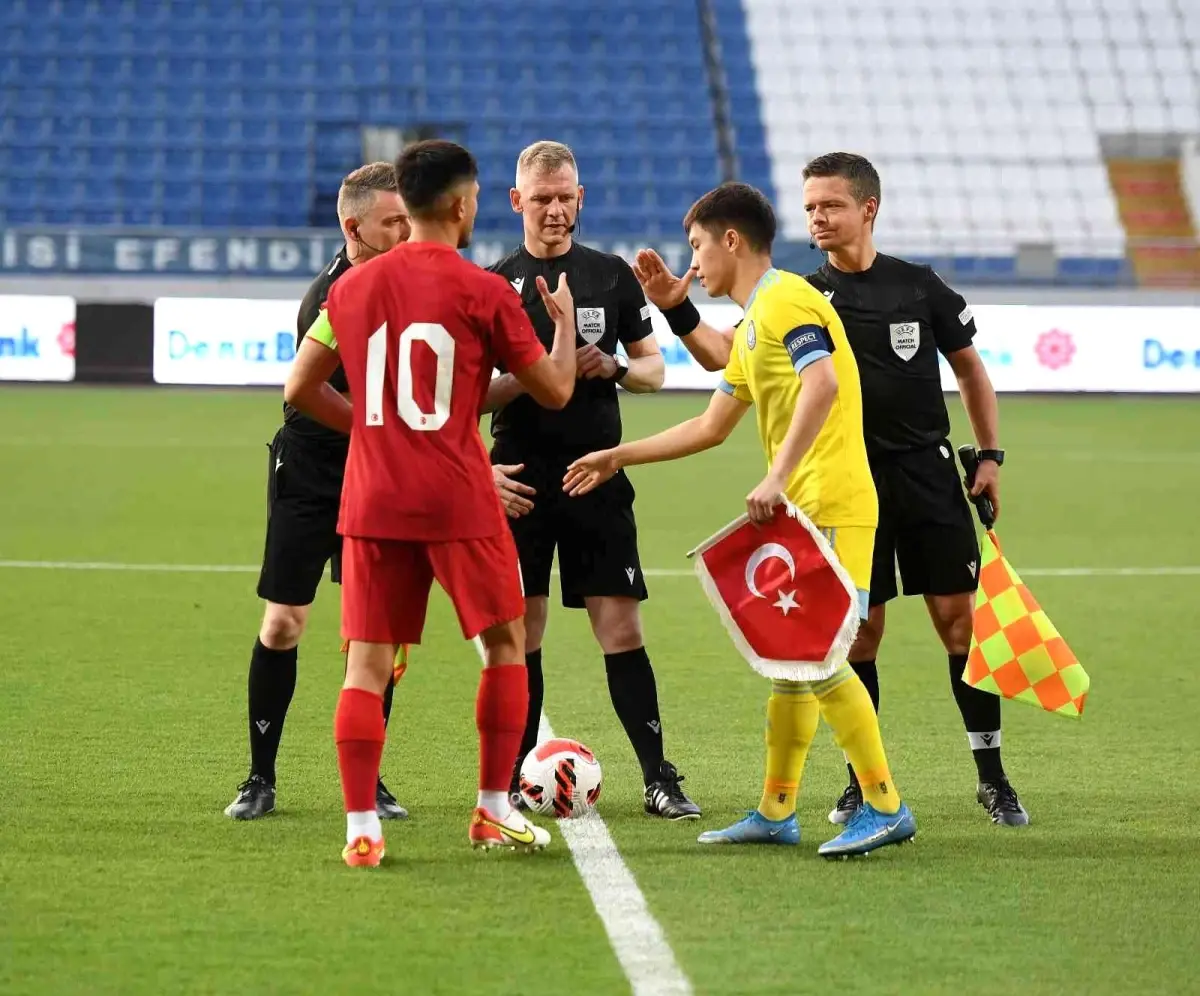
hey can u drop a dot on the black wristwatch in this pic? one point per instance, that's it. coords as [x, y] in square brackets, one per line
[996, 456]
[622, 368]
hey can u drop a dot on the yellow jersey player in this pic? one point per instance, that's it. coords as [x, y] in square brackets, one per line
[788, 357]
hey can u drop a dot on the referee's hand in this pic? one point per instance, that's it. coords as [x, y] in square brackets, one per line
[512, 493]
[987, 479]
[662, 288]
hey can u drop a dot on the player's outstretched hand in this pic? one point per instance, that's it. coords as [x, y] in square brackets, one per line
[512, 493]
[589, 472]
[560, 303]
[761, 502]
[662, 288]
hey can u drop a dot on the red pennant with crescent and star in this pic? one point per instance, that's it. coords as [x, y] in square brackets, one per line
[786, 601]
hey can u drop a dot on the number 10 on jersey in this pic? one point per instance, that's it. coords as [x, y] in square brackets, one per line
[435, 338]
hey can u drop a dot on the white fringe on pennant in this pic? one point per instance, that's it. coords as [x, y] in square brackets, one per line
[778, 669]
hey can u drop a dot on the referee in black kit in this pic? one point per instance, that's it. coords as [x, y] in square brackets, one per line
[304, 486]
[596, 536]
[899, 316]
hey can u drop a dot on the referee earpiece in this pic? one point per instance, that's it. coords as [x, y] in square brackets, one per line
[575, 223]
[354, 233]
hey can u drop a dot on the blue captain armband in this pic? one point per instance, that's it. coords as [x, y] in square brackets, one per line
[806, 344]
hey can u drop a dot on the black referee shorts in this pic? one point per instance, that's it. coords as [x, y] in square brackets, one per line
[925, 527]
[304, 487]
[595, 535]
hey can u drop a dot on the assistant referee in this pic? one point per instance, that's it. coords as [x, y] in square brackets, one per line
[899, 317]
[304, 486]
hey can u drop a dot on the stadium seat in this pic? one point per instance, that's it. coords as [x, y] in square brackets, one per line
[978, 96]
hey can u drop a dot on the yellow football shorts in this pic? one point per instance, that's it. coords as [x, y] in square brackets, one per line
[853, 547]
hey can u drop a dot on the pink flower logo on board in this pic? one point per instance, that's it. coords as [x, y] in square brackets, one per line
[1055, 349]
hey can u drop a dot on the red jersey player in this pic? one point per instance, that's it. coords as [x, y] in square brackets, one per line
[419, 331]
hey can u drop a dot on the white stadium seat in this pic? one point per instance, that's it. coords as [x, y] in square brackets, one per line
[984, 116]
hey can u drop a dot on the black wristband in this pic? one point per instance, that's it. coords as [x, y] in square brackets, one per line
[683, 318]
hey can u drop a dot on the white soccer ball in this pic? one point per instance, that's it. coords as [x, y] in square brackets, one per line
[560, 778]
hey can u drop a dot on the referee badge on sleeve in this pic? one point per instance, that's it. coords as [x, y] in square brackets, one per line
[906, 339]
[590, 323]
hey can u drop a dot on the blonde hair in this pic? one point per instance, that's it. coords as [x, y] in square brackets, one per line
[545, 157]
[357, 193]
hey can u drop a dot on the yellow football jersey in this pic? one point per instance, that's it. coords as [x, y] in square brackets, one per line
[789, 324]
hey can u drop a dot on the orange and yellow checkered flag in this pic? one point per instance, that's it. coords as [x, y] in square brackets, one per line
[1016, 652]
[399, 665]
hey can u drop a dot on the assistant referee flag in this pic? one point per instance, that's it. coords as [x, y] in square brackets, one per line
[1016, 652]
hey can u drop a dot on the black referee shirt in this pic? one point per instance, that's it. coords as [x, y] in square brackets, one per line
[898, 317]
[310, 308]
[609, 308]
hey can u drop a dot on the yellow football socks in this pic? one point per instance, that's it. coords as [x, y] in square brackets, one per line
[846, 706]
[792, 718]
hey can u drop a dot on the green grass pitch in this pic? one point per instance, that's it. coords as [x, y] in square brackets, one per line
[122, 737]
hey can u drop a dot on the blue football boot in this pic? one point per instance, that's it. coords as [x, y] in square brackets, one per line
[868, 829]
[755, 829]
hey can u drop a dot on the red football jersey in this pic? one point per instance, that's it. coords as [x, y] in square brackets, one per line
[420, 330]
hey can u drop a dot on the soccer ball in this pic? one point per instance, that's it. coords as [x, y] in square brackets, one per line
[560, 777]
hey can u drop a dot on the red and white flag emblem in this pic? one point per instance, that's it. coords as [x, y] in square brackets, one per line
[788, 604]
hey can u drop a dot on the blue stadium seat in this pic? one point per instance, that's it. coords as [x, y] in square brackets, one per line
[181, 161]
[182, 130]
[179, 193]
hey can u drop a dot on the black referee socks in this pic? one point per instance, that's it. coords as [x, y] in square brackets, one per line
[981, 716]
[635, 698]
[388, 693]
[868, 674]
[533, 672]
[272, 682]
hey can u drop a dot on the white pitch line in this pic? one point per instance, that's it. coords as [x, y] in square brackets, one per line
[636, 937]
[104, 565]
[1188, 570]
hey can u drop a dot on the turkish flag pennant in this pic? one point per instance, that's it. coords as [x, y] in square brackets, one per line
[788, 604]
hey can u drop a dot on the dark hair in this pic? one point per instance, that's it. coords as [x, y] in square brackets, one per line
[739, 206]
[856, 170]
[427, 170]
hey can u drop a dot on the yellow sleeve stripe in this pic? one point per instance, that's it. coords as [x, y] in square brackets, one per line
[322, 331]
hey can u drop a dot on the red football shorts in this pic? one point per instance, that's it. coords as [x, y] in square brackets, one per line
[386, 583]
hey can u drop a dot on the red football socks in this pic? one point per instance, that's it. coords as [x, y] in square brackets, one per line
[500, 710]
[359, 732]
